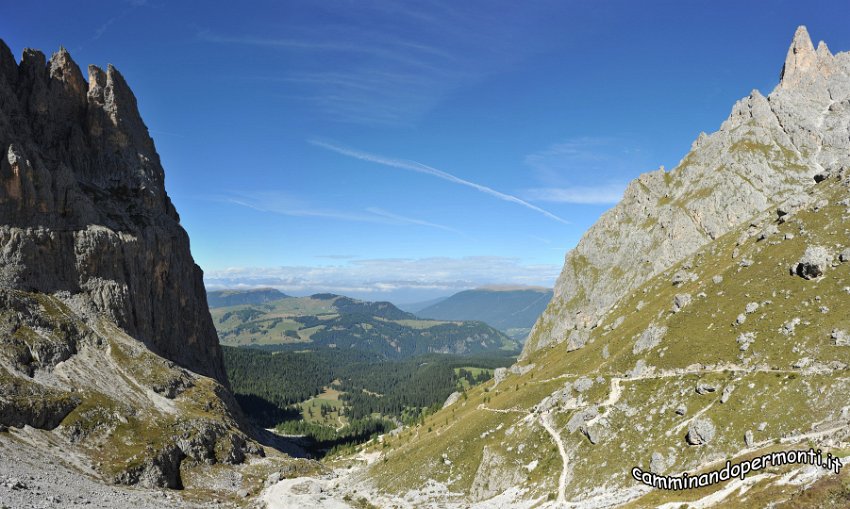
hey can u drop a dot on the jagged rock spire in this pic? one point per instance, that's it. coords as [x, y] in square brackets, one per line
[801, 60]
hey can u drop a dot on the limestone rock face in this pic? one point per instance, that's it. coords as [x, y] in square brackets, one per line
[84, 215]
[767, 151]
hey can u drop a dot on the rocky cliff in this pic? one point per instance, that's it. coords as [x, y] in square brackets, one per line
[107, 348]
[84, 210]
[769, 149]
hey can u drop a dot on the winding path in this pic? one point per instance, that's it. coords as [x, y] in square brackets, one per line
[562, 450]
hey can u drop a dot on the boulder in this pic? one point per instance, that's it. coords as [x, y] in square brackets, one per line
[700, 432]
[499, 374]
[581, 417]
[745, 340]
[840, 337]
[657, 463]
[594, 434]
[681, 277]
[452, 399]
[705, 388]
[813, 263]
[727, 393]
[769, 231]
[680, 301]
[582, 384]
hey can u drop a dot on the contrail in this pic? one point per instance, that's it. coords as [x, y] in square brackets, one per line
[428, 170]
[411, 220]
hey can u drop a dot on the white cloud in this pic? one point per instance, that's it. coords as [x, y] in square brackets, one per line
[584, 154]
[377, 79]
[570, 170]
[428, 170]
[388, 278]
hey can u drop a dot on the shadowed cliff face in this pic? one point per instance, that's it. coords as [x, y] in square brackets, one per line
[84, 214]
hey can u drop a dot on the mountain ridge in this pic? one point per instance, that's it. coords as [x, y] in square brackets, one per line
[769, 149]
[222, 298]
[81, 182]
[335, 321]
[511, 309]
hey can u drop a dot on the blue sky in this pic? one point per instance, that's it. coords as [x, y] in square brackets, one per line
[404, 150]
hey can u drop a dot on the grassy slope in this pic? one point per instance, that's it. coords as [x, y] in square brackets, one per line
[767, 388]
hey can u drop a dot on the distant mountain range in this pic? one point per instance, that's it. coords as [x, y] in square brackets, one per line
[223, 298]
[333, 321]
[416, 307]
[511, 309]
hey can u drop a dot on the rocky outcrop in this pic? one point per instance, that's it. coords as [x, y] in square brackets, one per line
[495, 474]
[85, 215]
[452, 399]
[768, 150]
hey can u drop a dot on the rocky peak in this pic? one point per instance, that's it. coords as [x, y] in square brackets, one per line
[106, 340]
[803, 62]
[801, 57]
[823, 51]
[63, 70]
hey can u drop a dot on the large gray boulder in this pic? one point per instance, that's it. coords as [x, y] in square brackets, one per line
[452, 399]
[813, 263]
[700, 432]
[581, 417]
